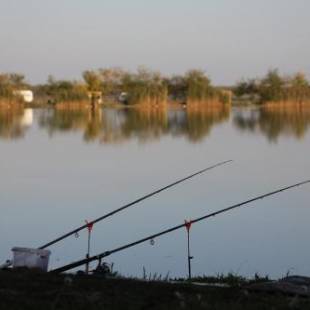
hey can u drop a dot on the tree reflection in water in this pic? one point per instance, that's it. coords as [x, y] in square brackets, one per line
[146, 124]
[275, 120]
[143, 123]
[14, 121]
[201, 118]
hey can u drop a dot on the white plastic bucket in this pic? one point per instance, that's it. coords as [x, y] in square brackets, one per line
[30, 258]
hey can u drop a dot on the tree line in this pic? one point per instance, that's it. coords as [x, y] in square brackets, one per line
[9, 82]
[146, 86]
[142, 86]
[275, 88]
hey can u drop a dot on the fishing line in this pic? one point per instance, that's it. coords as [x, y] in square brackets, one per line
[169, 230]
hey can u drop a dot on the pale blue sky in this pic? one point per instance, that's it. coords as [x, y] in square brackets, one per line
[229, 39]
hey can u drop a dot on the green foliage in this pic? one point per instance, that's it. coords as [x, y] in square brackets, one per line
[198, 86]
[298, 88]
[144, 86]
[92, 80]
[270, 88]
[10, 82]
[177, 87]
[59, 91]
[246, 87]
[274, 88]
[111, 80]
[148, 86]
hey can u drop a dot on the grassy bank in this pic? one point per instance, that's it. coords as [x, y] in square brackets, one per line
[35, 290]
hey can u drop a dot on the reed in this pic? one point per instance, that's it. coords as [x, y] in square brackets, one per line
[61, 91]
[9, 82]
[195, 86]
[145, 88]
[274, 88]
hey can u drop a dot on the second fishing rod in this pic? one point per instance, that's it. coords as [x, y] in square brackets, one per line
[100, 256]
[128, 205]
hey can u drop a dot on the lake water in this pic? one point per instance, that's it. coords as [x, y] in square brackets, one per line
[60, 168]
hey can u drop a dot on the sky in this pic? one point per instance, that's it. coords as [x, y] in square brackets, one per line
[228, 39]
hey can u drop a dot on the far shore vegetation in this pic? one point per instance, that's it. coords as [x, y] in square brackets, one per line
[117, 87]
[10, 82]
[274, 88]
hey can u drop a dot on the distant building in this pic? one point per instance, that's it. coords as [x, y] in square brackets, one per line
[26, 95]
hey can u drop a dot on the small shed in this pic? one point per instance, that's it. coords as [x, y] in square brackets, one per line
[26, 95]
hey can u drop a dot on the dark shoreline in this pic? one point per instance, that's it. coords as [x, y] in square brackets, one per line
[25, 289]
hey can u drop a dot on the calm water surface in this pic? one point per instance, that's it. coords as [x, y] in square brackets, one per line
[59, 168]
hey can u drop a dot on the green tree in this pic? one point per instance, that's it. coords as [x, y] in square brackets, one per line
[92, 80]
[246, 87]
[112, 80]
[17, 80]
[271, 87]
[198, 85]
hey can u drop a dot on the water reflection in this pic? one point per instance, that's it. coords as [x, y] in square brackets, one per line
[62, 120]
[14, 121]
[144, 124]
[200, 120]
[273, 121]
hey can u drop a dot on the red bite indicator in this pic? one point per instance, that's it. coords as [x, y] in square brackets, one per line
[188, 225]
[89, 225]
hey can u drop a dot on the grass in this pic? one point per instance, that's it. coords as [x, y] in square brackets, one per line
[23, 289]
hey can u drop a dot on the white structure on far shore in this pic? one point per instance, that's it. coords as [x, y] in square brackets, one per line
[26, 95]
[123, 97]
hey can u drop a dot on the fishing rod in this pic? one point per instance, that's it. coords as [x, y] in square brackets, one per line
[169, 230]
[75, 231]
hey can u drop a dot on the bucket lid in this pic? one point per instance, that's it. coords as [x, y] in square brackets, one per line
[32, 251]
